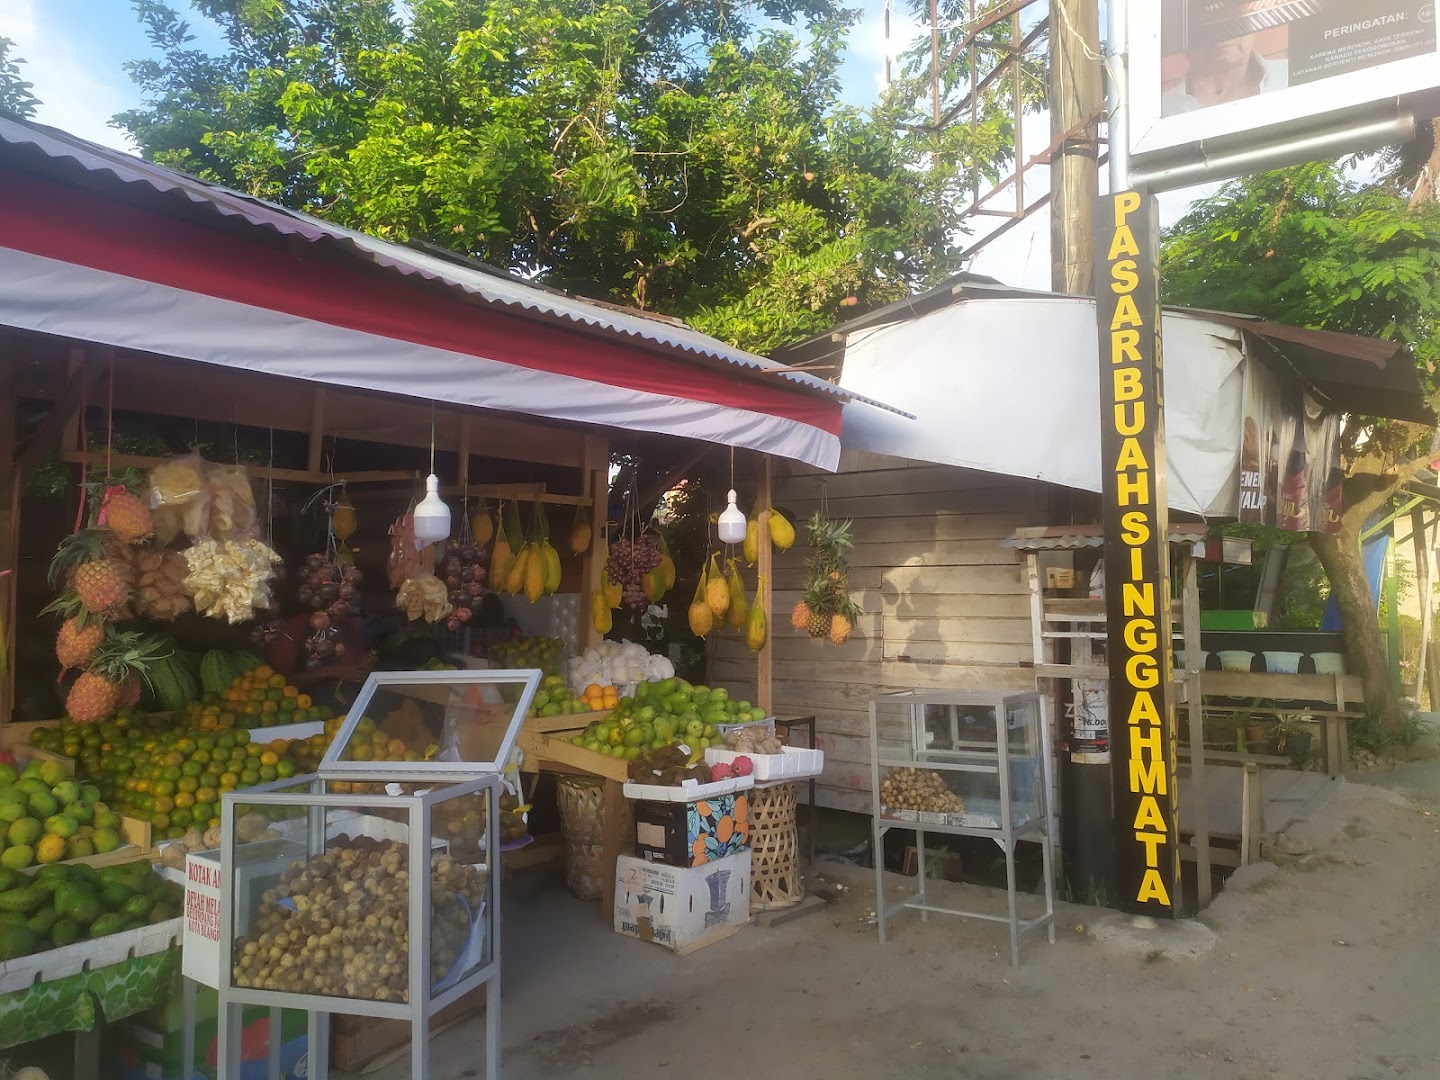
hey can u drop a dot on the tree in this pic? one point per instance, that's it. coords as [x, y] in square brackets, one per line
[16, 98]
[693, 159]
[1314, 246]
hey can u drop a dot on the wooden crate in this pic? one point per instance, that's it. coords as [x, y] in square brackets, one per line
[135, 837]
[542, 738]
[357, 1041]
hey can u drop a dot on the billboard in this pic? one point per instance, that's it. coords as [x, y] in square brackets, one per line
[1290, 474]
[1220, 71]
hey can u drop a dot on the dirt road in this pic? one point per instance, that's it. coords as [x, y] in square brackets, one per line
[1325, 967]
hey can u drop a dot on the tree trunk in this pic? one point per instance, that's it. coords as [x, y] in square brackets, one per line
[1339, 554]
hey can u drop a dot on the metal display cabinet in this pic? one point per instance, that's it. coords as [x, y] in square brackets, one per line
[393, 847]
[963, 764]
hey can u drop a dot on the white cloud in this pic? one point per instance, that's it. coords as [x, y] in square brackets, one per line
[75, 95]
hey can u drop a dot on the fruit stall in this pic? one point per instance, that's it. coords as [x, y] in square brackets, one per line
[286, 460]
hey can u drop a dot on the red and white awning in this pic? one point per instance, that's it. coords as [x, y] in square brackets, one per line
[99, 265]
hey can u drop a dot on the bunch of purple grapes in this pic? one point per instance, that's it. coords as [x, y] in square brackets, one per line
[629, 561]
[331, 592]
[463, 572]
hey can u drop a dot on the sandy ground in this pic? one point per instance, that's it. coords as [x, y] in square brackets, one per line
[1327, 965]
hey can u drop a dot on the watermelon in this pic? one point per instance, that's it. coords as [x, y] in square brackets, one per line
[172, 684]
[217, 671]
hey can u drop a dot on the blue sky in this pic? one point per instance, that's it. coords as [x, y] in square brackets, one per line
[74, 52]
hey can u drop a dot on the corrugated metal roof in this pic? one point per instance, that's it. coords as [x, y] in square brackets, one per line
[1074, 537]
[490, 285]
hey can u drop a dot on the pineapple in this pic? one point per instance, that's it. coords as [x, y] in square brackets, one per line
[819, 624]
[80, 634]
[130, 692]
[800, 615]
[103, 584]
[120, 657]
[840, 627]
[126, 514]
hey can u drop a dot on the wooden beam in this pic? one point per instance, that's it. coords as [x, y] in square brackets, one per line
[595, 475]
[317, 430]
[765, 658]
[302, 476]
[464, 453]
[1195, 716]
[1427, 599]
[9, 537]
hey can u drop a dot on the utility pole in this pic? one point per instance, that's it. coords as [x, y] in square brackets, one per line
[1076, 94]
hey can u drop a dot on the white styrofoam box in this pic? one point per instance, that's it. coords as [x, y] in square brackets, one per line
[682, 908]
[89, 955]
[689, 791]
[265, 735]
[792, 763]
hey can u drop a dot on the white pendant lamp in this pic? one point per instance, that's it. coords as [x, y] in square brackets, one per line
[431, 520]
[732, 523]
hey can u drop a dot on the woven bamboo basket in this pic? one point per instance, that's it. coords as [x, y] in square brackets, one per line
[582, 823]
[774, 849]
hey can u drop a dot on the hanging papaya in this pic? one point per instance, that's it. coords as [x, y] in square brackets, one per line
[581, 533]
[667, 564]
[752, 542]
[755, 630]
[342, 518]
[514, 531]
[613, 592]
[717, 593]
[535, 573]
[739, 611]
[552, 568]
[782, 533]
[600, 612]
[653, 585]
[702, 619]
[482, 526]
[501, 559]
[515, 579]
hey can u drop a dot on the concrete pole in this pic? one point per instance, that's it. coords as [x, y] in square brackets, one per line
[1075, 93]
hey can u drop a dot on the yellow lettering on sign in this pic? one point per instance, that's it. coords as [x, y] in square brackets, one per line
[1152, 842]
[1126, 203]
[1152, 888]
[1136, 486]
[1142, 710]
[1145, 738]
[1125, 345]
[1138, 599]
[1140, 635]
[1132, 423]
[1137, 564]
[1123, 244]
[1148, 815]
[1149, 777]
[1131, 456]
[1141, 673]
[1126, 314]
[1123, 277]
[1135, 528]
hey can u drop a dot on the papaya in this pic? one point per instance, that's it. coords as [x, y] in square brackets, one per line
[138, 906]
[43, 920]
[534, 583]
[114, 895]
[613, 592]
[106, 925]
[717, 592]
[482, 525]
[755, 630]
[600, 611]
[25, 900]
[751, 547]
[64, 932]
[552, 568]
[701, 618]
[501, 559]
[515, 579]
[782, 533]
[739, 612]
[78, 903]
[581, 532]
[16, 941]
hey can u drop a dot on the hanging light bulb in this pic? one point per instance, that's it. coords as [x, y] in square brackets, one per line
[432, 516]
[732, 523]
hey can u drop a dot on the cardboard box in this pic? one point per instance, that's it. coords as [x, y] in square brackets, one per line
[146, 1052]
[692, 833]
[683, 909]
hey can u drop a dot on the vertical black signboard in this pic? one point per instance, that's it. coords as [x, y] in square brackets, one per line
[1137, 563]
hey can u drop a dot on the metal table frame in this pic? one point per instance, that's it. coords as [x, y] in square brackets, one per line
[808, 723]
[1039, 828]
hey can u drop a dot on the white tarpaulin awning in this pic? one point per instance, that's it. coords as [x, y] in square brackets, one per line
[1012, 386]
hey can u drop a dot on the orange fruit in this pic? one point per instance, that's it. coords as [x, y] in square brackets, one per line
[302, 701]
[262, 672]
[269, 757]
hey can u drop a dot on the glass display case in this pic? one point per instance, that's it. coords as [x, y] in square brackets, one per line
[379, 897]
[969, 764]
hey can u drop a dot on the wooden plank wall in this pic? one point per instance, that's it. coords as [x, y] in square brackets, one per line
[944, 604]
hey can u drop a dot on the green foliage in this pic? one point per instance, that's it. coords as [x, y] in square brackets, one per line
[16, 97]
[693, 159]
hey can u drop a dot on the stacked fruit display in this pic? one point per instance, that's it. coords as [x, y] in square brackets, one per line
[554, 698]
[172, 777]
[46, 817]
[660, 714]
[331, 589]
[345, 929]
[63, 904]
[257, 698]
[545, 653]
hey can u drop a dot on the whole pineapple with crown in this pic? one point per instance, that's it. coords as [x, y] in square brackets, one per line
[125, 514]
[80, 634]
[88, 563]
[829, 612]
[120, 658]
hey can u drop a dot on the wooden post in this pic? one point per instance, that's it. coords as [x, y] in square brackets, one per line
[9, 535]
[764, 659]
[1195, 714]
[1422, 574]
[317, 429]
[464, 454]
[614, 843]
[595, 479]
[1252, 814]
